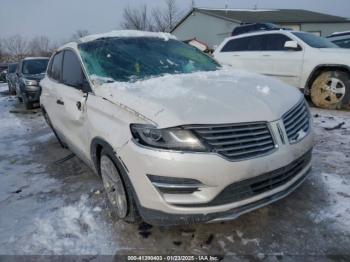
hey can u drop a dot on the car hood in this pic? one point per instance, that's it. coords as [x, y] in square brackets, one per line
[37, 77]
[223, 96]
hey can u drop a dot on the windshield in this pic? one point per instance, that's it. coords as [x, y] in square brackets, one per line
[131, 59]
[33, 67]
[344, 43]
[315, 41]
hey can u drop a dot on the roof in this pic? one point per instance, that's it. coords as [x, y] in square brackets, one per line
[345, 33]
[126, 33]
[117, 33]
[268, 15]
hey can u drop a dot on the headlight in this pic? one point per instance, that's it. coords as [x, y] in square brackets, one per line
[168, 138]
[31, 82]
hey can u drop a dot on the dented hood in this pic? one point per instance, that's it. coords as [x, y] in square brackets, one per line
[223, 96]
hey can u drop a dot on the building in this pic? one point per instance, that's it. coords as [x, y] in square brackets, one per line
[211, 26]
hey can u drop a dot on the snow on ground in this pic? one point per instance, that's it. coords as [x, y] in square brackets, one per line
[37, 222]
[333, 149]
[49, 208]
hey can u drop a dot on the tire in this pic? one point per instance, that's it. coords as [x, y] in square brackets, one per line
[118, 189]
[28, 105]
[12, 90]
[331, 90]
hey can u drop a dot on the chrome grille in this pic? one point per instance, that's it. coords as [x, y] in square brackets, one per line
[297, 122]
[237, 141]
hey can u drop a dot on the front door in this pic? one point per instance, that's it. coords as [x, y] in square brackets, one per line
[280, 62]
[71, 102]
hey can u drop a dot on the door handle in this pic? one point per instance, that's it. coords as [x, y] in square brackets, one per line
[266, 55]
[78, 104]
[60, 102]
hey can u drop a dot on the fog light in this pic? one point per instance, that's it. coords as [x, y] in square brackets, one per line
[175, 185]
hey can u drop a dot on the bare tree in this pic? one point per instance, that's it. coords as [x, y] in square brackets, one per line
[79, 34]
[40, 46]
[158, 19]
[16, 46]
[137, 18]
[165, 19]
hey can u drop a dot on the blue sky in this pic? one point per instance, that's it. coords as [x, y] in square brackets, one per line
[58, 19]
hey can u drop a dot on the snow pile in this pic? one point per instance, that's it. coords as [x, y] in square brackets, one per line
[72, 229]
[171, 85]
[127, 33]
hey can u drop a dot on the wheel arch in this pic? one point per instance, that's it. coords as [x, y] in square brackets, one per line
[96, 147]
[322, 68]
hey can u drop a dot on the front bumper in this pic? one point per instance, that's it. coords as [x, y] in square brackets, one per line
[32, 95]
[212, 170]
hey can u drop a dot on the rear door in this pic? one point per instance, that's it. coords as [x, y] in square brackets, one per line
[71, 100]
[50, 88]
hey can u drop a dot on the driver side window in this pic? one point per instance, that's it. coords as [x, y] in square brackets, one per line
[72, 73]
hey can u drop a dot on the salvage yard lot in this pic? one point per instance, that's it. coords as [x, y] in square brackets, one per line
[49, 206]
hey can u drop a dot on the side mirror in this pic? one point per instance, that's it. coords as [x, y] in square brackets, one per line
[291, 45]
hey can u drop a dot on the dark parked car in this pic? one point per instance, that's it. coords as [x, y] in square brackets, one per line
[11, 77]
[29, 73]
[253, 27]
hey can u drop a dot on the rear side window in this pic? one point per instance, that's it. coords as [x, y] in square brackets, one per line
[275, 42]
[235, 45]
[55, 71]
[251, 43]
[72, 72]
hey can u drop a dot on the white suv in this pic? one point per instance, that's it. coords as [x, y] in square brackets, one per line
[300, 59]
[176, 138]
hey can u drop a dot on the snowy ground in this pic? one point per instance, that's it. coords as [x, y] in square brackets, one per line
[51, 208]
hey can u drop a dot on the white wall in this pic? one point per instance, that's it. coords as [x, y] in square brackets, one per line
[325, 28]
[205, 28]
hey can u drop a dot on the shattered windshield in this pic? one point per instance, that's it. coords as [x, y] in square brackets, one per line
[131, 59]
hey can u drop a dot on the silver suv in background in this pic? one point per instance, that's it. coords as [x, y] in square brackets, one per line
[29, 73]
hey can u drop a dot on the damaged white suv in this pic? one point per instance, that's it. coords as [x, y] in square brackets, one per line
[175, 137]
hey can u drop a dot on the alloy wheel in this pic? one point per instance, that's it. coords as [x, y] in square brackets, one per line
[329, 92]
[114, 186]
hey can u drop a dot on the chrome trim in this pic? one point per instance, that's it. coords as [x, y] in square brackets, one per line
[302, 100]
[180, 186]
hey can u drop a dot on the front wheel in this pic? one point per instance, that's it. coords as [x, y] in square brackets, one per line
[331, 90]
[118, 190]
